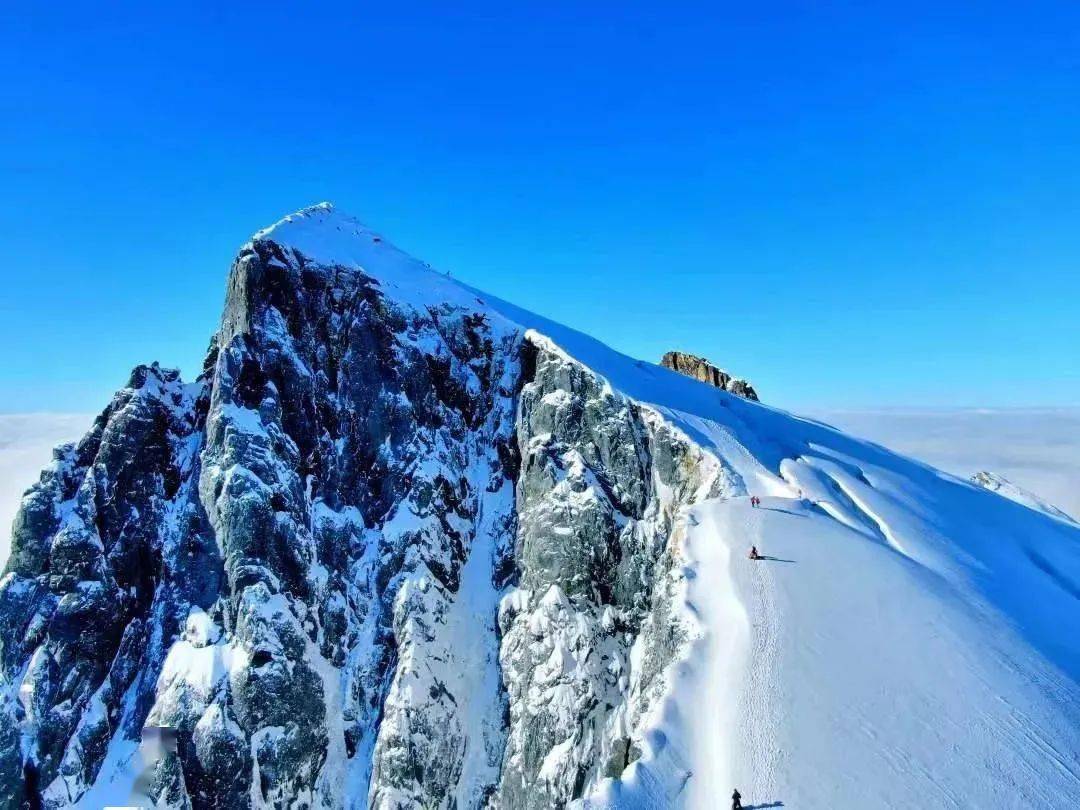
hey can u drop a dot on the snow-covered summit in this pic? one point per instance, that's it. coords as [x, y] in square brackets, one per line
[327, 236]
[859, 519]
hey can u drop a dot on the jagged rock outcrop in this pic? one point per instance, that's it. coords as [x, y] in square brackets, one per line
[89, 596]
[388, 550]
[701, 369]
[602, 480]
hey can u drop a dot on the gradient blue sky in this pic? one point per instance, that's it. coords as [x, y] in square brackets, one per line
[851, 206]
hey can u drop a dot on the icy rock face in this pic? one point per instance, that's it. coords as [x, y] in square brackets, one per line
[106, 547]
[589, 627]
[353, 450]
[388, 551]
[701, 369]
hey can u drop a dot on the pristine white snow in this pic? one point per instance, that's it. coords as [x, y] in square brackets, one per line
[834, 673]
[909, 640]
[326, 236]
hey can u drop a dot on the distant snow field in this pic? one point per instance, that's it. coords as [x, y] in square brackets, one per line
[26, 443]
[1035, 448]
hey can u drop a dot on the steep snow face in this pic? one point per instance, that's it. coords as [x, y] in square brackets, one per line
[832, 673]
[405, 545]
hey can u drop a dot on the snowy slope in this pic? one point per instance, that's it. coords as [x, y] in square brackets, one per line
[404, 544]
[1007, 489]
[914, 641]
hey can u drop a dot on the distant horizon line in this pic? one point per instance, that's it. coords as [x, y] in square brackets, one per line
[924, 410]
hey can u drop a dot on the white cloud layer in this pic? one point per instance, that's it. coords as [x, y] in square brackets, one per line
[1039, 449]
[26, 443]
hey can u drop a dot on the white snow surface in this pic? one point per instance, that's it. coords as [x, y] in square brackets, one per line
[909, 639]
[326, 236]
[1007, 489]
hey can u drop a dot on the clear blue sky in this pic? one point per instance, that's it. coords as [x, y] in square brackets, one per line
[849, 205]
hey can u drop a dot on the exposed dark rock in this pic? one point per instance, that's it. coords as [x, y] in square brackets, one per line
[701, 369]
[336, 567]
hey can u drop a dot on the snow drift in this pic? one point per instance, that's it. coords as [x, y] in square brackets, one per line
[402, 544]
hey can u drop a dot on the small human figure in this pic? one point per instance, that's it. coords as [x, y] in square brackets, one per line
[754, 554]
[736, 800]
[755, 501]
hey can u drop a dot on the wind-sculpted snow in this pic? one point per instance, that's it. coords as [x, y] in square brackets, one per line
[405, 545]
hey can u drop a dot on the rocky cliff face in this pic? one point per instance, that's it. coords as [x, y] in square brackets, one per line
[601, 483]
[388, 550]
[701, 369]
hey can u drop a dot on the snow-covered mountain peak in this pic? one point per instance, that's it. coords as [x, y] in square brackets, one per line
[329, 238]
[328, 234]
[406, 545]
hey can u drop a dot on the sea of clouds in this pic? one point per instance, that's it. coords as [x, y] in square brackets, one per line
[1035, 448]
